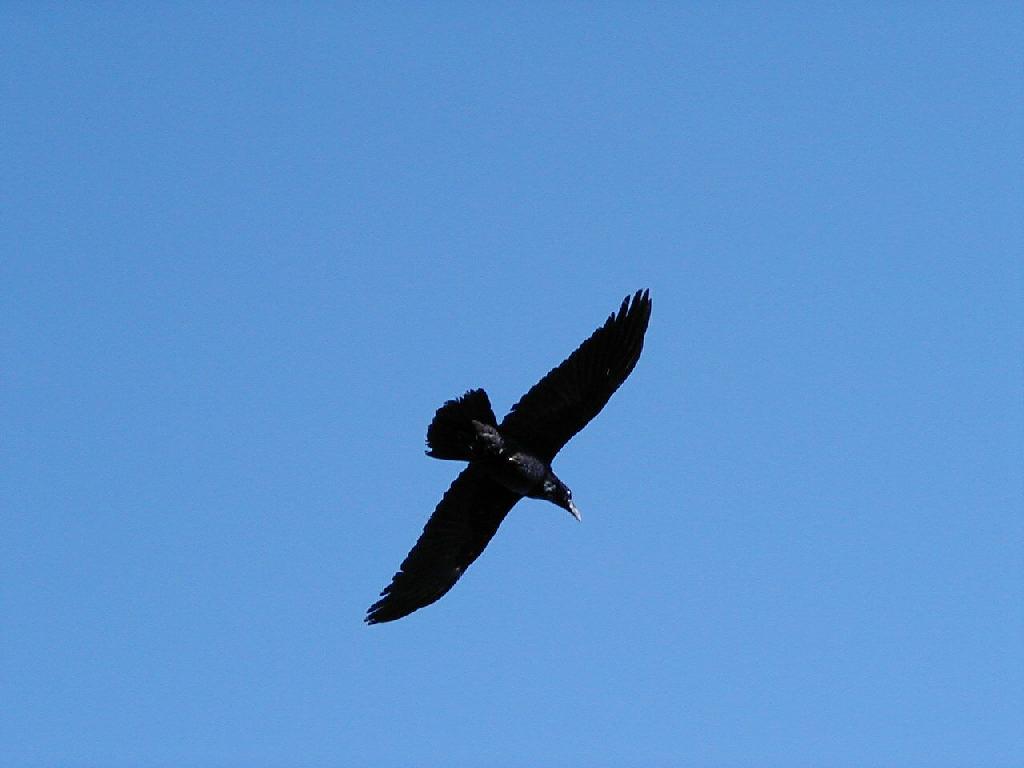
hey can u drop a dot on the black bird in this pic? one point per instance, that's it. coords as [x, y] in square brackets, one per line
[510, 460]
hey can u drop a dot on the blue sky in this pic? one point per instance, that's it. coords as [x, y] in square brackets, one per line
[250, 248]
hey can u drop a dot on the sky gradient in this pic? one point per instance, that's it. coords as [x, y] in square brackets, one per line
[249, 249]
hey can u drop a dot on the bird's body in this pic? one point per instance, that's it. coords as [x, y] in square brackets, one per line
[517, 470]
[510, 460]
[509, 464]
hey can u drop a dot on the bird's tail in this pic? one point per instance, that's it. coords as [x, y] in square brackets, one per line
[453, 435]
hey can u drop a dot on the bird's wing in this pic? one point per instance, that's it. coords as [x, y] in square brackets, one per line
[569, 396]
[454, 536]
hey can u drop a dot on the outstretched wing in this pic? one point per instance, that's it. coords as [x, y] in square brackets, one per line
[568, 397]
[454, 536]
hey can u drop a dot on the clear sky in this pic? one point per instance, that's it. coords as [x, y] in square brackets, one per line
[248, 249]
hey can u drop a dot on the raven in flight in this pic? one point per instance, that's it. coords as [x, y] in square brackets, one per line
[510, 460]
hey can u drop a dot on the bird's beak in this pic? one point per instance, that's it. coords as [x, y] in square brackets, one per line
[575, 512]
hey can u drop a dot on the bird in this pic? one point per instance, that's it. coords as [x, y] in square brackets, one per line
[510, 460]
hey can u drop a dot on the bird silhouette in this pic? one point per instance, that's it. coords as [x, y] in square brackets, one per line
[510, 460]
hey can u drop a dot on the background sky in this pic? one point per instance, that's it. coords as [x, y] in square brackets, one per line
[248, 249]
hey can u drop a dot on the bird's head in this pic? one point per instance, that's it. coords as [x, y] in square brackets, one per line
[558, 493]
